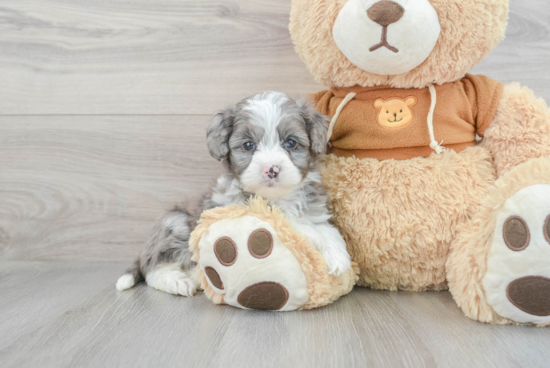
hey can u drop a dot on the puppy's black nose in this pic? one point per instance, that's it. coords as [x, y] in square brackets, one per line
[273, 172]
[385, 12]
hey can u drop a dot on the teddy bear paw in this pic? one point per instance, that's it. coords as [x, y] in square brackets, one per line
[517, 281]
[244, 260]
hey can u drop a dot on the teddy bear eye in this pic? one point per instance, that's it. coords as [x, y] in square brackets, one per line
[387, 112]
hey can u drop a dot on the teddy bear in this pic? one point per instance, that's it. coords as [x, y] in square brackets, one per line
[438, 179]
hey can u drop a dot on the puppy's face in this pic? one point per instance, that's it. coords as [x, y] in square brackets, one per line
[269, 142]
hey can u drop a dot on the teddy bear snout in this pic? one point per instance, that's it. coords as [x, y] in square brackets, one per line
[385, 12]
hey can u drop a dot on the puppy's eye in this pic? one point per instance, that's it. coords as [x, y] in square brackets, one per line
[290, 143]
[249, 146]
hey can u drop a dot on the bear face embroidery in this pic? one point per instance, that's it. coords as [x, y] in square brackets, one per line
[395, 112]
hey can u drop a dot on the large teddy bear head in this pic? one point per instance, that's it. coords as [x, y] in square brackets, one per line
[400, 43]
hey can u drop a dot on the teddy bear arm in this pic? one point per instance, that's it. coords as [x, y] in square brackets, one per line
[520, 130]
[321, 101]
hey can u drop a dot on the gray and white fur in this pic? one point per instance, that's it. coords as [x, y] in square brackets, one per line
[270, 146]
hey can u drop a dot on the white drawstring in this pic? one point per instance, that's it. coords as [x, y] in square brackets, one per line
[433, 143]
[348, 98]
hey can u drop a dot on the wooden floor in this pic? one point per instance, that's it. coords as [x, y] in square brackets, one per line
[103, 106]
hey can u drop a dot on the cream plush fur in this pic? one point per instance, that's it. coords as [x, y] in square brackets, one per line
[431, 223]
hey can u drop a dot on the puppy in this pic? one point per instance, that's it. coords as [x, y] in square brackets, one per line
[270, 146]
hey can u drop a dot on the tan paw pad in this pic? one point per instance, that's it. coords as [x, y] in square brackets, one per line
[531, 294]
[516, 233]
[260, 243]
[264, 296]
[226, 251]
[214, 277]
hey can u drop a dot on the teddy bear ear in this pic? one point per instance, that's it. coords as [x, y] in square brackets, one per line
[379, 103]
[219, 131]
[316, 125]
[411, 101]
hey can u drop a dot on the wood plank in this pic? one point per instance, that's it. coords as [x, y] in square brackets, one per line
[143, 57]
[77, 187]
[523, 56]
[69, 315]
[35, 293]
[189, 56]
[441, 325]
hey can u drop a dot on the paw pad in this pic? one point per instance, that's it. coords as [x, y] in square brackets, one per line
[264, 296]
[214, 277]
[260, 243]
[531, 294]
[516, 233]
[226, 251]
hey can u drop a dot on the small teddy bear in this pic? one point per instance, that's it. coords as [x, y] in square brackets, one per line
[395, 112]
[421, 204]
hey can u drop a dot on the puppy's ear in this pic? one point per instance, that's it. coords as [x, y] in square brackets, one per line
[316, 125]
[219, 132]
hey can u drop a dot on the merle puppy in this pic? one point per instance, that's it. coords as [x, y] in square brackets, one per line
[270, 145]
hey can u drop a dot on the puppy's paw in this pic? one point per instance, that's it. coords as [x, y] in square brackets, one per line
[172, 281]
[182, 285]
[337, 261]
[177, 283]
[328, 241]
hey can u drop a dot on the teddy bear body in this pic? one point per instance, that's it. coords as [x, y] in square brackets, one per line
[421, 203]
[399, 217]
[411, 254]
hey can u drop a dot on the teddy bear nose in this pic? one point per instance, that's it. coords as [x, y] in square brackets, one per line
[385, 12]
